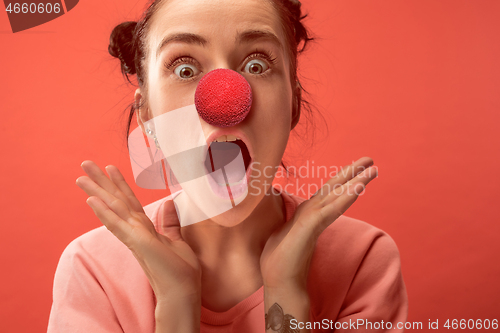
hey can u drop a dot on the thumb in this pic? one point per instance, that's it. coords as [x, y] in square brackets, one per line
[168, 221]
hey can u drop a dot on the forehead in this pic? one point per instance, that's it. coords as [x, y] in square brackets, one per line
[215, 20]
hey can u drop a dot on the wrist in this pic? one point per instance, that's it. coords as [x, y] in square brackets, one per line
[295, 295]
[284, 308]
[185, 293]
[178, 314]
[181, 300]
[286, 285]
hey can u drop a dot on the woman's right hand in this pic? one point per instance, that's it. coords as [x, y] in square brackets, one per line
[170, 265]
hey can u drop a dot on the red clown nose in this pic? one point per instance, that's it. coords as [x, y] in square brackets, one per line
[223, 97]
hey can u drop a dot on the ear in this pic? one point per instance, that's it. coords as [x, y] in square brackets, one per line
[142, 114]
[296, 104]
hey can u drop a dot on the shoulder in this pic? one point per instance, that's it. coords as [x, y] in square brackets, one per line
[355, 272]
[99, 247]
[361, 265]
[346, 235]
[351, 244]
[359, 236]
[92, 286]
[350, 253]
[358, 249]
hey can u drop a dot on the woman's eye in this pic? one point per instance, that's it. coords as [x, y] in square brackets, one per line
[256, 66]
[186, 71]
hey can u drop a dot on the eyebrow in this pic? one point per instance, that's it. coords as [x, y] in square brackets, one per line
[247, 36]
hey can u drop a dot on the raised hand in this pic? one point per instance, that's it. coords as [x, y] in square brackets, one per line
[169, 263]
[287, 254]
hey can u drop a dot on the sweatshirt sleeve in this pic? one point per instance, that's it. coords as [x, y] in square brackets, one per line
[79, 302]
[377, 294]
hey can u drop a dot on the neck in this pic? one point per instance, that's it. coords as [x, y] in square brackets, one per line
[211, 241]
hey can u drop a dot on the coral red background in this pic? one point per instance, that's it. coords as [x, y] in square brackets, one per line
[414, 84]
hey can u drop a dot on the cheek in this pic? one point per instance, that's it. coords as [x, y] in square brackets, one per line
[271, 123]
[164, 98]
[272, 104]
[164, 95]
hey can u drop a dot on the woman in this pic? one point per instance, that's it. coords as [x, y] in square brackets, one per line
[273, 262]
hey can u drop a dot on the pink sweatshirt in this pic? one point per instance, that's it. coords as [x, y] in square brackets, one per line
[355, 274]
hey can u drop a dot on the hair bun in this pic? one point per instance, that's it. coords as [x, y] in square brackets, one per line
[121, 46]
[301, 33]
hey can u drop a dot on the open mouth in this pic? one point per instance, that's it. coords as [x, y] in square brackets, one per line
[227, 161]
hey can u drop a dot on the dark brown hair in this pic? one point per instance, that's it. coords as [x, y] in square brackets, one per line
[128, 43]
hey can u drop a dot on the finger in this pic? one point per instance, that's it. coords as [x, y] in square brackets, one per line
[169, 221]
[335, 209]
[364, 178]
[115, 204]
[346, 173]
[118, 179]
[99, 177]
[120, 228]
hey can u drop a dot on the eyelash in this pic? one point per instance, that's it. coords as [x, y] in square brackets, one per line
[177, 60]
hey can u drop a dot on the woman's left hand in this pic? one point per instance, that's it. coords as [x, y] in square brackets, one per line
[287, 254]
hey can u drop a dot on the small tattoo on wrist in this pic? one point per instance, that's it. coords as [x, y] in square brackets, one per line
[277, 321]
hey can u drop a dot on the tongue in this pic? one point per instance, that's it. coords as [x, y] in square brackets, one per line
[228, 157]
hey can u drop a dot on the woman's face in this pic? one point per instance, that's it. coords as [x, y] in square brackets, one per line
[244, 36]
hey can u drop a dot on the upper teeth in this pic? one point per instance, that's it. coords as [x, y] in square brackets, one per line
[226, 138]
